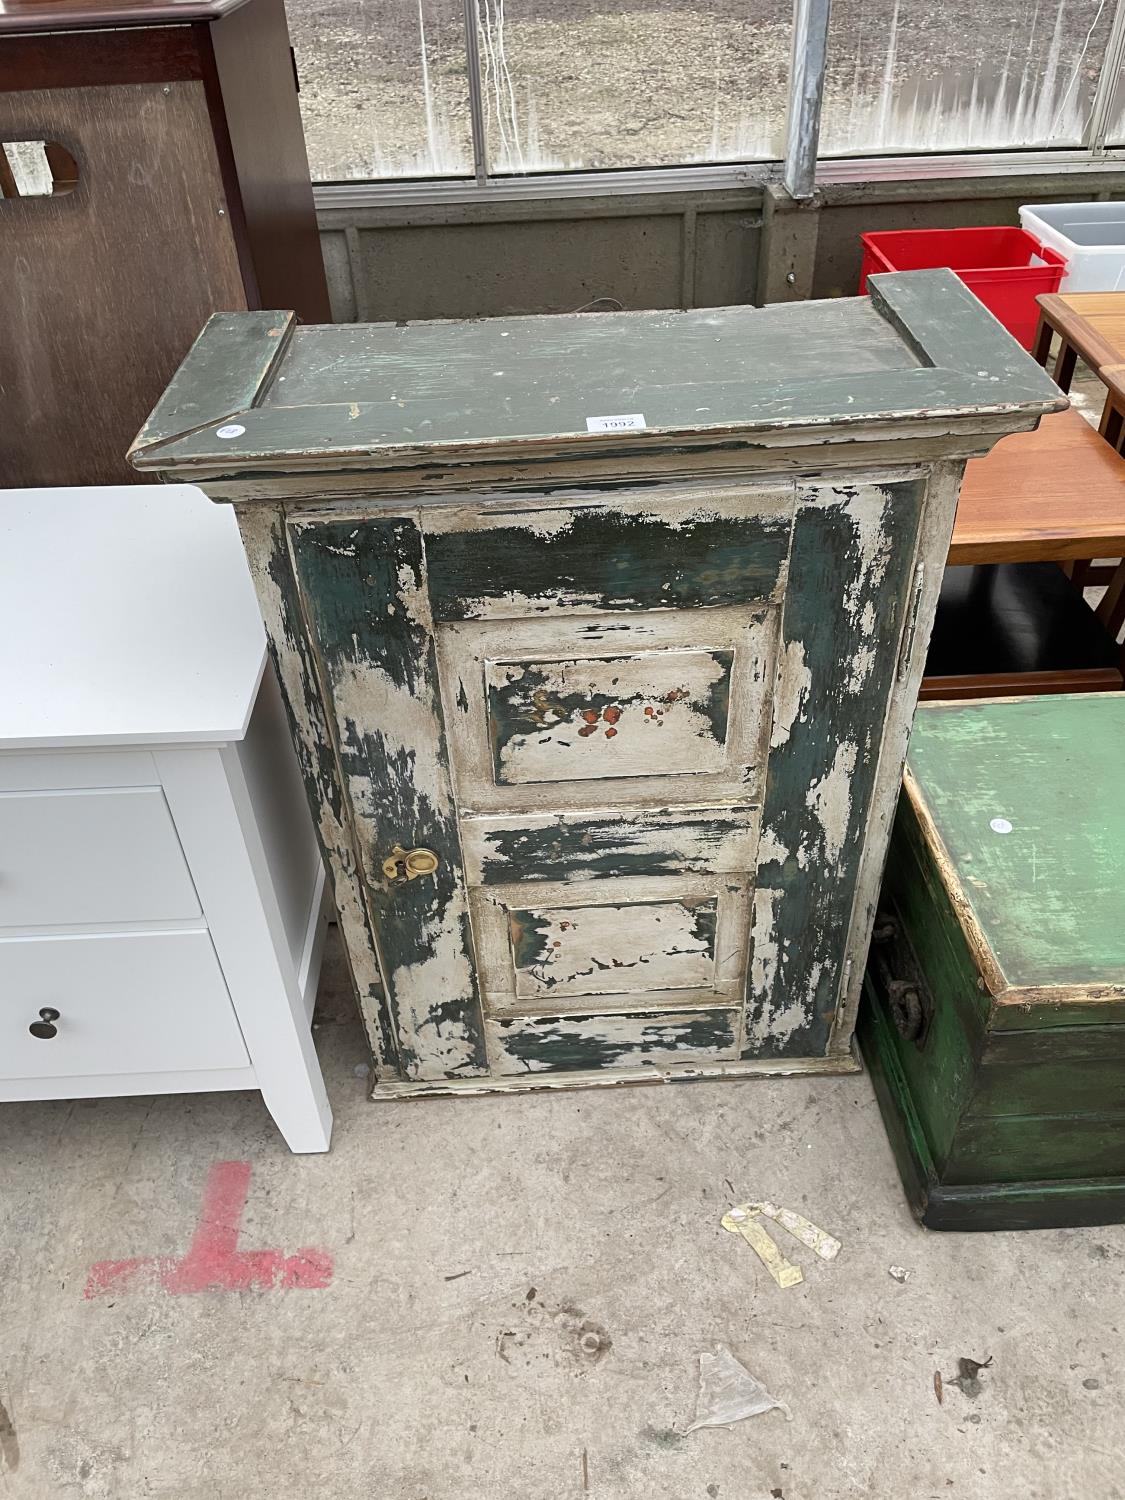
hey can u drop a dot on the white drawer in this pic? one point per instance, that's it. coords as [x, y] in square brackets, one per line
[127, 1003]
[91, 857]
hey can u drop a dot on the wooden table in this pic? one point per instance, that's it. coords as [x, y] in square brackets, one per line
[1008, 622]
[1090, 325]
[1051, 495]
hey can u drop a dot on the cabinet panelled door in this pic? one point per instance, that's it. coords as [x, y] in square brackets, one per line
[610, 763]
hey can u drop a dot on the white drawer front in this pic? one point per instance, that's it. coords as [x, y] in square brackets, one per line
[71, 859]
[128, 1003]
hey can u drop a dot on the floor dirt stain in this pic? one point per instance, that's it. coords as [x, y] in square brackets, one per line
[9, 1443]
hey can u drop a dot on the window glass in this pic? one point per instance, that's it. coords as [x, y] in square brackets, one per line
[1116, 136]
[632, 83]
[384, 87]
[930, 75]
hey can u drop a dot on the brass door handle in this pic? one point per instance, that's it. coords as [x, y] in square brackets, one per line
[408, 864]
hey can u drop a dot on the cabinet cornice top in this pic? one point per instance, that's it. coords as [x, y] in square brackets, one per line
[259, 393]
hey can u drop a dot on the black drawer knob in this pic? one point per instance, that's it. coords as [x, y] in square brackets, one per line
[45, 1027]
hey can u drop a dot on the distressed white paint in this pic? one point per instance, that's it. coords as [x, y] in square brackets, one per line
[366, 700]
[763, 942]
[636, 903]
[866, 511]
[830, 799]
[553, 516]
[419, 988]
[263, 530]
[794, 681]
[657, 723]
[622, 1077]
[673, 835]
[644, 1041]
[468, 651]
[942, 489]
[609, 950]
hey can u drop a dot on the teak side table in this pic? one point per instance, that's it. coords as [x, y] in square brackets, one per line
[601, 637]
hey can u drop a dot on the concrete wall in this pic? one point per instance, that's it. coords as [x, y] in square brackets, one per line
[683, 249]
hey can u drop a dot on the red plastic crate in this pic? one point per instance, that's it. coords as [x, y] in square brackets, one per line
[1006, 268]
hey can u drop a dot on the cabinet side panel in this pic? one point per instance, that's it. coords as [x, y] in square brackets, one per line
[263, 534]
[849, 583]
[277, 794]
[363, 591]
[940, 506]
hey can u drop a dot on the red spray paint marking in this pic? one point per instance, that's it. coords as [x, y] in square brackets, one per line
[213, 1262]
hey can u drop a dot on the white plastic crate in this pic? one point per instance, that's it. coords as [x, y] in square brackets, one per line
[1090, 235]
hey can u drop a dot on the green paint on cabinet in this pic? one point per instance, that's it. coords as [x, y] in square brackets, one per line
[604, 727]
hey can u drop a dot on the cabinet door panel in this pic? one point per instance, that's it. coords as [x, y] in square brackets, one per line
[676, 709]
[556, 946]
[647, 794]
[552, 720]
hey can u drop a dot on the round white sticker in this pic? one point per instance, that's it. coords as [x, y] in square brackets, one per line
[1000, 825]
[232, 430]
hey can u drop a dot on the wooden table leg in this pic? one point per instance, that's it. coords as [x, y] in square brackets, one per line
[1041, 349]
[1064, 364]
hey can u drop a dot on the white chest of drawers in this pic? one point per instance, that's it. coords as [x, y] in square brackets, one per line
[161, 892]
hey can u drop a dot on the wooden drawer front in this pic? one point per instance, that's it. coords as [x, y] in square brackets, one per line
[674, 1040]
[664, 707]
[71, 859]
[128, 1003]
[663, 942]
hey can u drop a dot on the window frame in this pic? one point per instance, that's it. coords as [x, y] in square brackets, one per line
[801, 169]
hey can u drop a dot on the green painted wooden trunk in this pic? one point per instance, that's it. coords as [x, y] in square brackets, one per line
[600, 637]
[994, 1021]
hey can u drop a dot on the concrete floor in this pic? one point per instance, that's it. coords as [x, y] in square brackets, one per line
[473, 1244]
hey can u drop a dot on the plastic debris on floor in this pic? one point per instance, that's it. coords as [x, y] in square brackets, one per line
[729, 1393]
[744, 1219]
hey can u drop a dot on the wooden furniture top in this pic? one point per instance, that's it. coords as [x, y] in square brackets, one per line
[1093, 323]
[1055, 493]
[258, 390]
[1025, 795]
[85, 15]
[127, 616]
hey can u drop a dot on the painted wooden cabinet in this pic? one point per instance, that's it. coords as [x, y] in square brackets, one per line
[994, 1025]
[601, 636]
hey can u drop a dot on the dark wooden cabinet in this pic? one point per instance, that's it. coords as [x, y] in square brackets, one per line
[601, 636]
[191, 195]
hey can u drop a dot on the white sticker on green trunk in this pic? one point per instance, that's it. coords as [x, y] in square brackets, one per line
[631, 423]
